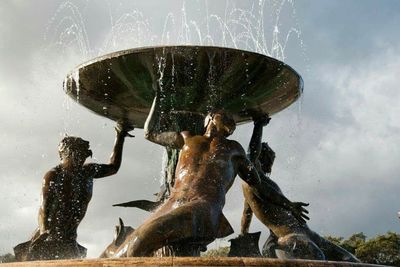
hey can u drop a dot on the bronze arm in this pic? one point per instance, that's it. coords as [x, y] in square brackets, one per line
[254, 149]
[265, 191]
[103, 170]
[156, 127]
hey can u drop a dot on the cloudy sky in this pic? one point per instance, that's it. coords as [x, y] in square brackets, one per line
[338, 147]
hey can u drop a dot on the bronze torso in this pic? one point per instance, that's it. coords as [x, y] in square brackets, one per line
[69, 197]
[205, 169]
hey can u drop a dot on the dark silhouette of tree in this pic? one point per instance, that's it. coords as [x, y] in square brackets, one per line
[217, 252]
[7, 258]
[353, 242]
[383, 249]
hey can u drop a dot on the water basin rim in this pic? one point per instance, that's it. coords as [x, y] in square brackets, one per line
[141, 49]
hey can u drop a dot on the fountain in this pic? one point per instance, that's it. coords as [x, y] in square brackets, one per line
[179, 88]
[189, 82]
[192, 80]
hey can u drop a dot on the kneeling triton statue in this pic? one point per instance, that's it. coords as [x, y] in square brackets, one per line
[66, 193]
[289, 238]
[206, 169]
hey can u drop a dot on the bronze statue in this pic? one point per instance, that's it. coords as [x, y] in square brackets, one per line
[245, 245]
[290, 238]
[207, 167]
[66, 192]
[121, 233]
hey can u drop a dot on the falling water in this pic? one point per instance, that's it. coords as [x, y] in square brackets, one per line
[238, 28]
[241, 28]
[258, 28]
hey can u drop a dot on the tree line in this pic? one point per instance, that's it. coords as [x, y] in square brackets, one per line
[381, 249]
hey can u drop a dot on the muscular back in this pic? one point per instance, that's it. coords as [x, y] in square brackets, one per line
[205, 168]
[65, 200]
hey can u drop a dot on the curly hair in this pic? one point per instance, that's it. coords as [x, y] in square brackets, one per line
[226, 118]
[72, 144]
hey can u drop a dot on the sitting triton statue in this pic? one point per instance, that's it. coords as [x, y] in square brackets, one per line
[290, 238]
[207, 166]
[66, 192]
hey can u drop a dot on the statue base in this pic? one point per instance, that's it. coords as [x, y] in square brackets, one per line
[188, 261]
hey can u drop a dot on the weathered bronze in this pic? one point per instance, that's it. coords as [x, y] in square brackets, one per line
[245, 245]
[66, 193]
[194, 79]
[207, 167]
[191, 81]
[121, 233]
[290, 238]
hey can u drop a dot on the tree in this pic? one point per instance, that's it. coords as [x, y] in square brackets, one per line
[218, 252]
[7, 258]
[383, 249]
[353, 242]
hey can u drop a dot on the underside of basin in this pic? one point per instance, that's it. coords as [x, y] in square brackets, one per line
[193, 79]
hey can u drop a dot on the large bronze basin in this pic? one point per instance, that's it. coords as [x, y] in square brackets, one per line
[194, 79]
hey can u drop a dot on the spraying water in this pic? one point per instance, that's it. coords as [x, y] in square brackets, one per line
[257, 28]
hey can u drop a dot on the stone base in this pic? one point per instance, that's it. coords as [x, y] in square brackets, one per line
[186, 261]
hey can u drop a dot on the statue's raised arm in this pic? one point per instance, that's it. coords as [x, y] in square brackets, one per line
[255, 145]
[97, 170]
[265, 191]
[157, 129]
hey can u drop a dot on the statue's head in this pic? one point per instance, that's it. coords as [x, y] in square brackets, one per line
[74, 148]
[222, 121]
[267, 157]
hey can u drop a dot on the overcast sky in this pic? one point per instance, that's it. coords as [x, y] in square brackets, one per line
[337, 148]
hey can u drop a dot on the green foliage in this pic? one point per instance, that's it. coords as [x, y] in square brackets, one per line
[218, 252]
[382, 249]
[353, 242]
[7, 258]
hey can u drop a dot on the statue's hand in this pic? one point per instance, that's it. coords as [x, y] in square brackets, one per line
[123, 127]
[262, 119]
[298, 211]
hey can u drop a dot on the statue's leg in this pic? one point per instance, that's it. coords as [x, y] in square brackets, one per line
[192, 221]
[298, 246]
[246, 218]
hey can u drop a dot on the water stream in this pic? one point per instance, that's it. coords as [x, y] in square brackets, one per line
[258, 28]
